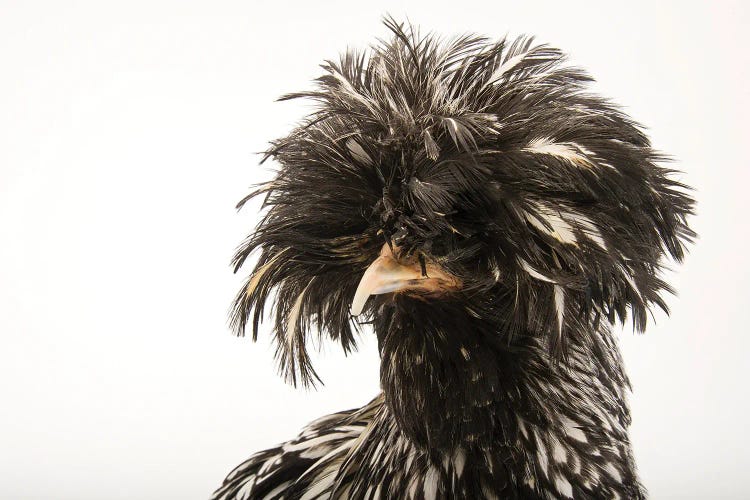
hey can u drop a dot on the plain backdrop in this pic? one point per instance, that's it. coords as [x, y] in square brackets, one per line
[128, 131]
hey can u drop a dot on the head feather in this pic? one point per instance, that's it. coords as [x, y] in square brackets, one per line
[490, 156]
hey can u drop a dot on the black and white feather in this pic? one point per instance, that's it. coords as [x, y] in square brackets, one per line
[492, 161]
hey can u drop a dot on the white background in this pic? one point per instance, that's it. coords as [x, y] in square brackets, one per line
[128, 132]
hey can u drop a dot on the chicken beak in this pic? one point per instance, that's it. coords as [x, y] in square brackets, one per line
[386, 274]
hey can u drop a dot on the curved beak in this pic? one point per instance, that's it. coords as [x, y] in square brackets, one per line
[386, 274]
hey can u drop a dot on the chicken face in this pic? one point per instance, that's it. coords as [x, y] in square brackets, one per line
[462, 179]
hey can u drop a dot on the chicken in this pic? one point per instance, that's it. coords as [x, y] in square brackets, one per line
[491, 219]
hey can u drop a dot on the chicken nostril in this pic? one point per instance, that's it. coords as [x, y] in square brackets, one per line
[423, 265]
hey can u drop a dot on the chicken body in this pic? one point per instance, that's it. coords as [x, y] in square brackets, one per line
[576, 447]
